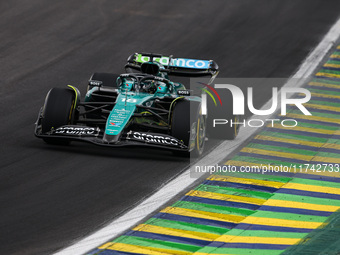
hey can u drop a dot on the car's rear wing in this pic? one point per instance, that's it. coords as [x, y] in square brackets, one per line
[175, 66]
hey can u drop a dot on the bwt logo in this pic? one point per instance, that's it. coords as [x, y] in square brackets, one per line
[238, 99]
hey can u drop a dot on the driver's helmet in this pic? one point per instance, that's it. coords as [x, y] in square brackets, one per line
[150, 86]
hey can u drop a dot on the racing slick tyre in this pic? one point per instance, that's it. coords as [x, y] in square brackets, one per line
[107, 79]
[223, 130]
[58, 110]
[188, 125]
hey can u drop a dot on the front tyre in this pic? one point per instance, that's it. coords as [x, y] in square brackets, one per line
[188, 125]
[57, 112]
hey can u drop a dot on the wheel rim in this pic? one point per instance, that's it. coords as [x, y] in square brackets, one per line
[200, 133]
[237, 127]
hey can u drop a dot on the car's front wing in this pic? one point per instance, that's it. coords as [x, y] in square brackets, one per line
[96, 136]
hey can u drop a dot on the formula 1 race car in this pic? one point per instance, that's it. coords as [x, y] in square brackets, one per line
[142, 107]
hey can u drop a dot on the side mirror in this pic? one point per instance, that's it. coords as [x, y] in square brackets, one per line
[95, 83]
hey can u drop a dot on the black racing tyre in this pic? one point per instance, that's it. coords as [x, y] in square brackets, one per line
[107, 79]
[222, 112]
[57, 112]
[186, 118]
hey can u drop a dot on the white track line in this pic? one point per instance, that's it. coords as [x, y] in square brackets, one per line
[173, 188]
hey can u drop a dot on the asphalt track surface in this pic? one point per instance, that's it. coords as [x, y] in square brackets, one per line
[51, 196]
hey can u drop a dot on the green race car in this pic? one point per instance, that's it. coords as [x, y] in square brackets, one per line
[139, 107]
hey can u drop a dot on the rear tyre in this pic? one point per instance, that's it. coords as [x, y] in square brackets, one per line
[188, 125]
[222, 112]
[107, 79]
[58, 110]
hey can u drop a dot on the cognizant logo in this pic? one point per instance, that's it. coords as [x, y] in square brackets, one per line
[238, 104]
